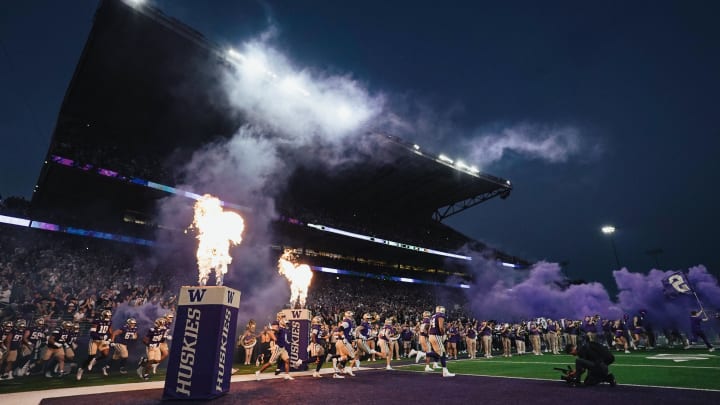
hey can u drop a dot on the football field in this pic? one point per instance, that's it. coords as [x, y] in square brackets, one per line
[673, 368]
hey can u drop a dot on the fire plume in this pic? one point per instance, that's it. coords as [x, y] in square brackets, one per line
[217, 230]
[299, 276]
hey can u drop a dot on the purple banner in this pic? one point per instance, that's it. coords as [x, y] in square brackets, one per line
[200, 362]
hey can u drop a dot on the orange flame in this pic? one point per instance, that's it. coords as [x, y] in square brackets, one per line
[298, 275]
[217, 229]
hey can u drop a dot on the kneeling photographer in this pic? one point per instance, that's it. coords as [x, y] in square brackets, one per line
[593, 357]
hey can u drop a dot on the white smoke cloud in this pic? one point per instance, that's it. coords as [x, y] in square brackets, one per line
[551, 144]
[289, 108]
[297, 104]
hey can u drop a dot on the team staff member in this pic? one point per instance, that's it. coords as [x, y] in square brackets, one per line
[595, 358]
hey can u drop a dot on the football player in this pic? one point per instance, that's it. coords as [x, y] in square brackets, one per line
[343, 352]
[384, 342]
[35, 336]
[316, 349]
[423, 329]
[154, 336]
[279, 345]
[436, 335]
[56, 345]
[99, 346]
[362, 332]
[121, 338]
[164, 347]
[13, 342]
[347, 328]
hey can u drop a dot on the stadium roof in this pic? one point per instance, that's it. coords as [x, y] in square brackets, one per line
[396, 180]
[146, 92]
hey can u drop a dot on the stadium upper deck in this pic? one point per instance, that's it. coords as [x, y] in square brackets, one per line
[146, 94]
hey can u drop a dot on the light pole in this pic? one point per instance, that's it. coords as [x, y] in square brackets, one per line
[610, 230]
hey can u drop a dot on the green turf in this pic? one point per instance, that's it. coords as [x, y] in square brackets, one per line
[699, 369]
[696, 368]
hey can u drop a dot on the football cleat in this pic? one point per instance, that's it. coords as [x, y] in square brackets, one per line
[446, 373]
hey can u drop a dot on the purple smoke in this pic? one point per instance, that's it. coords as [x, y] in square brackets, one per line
[542, 292]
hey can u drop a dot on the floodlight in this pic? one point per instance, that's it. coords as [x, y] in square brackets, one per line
[608, 229]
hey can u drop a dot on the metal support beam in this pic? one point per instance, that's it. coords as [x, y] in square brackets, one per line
[444, 212]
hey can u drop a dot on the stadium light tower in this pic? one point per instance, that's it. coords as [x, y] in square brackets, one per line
[610, 231]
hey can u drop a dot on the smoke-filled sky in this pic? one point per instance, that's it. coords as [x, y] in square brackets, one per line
[598, 113]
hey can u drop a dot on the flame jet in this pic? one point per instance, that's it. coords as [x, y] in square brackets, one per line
[217, 229]
[299, 276]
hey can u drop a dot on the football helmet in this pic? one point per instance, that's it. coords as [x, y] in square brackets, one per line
[131, 322]
[40, 322]
[388, 321]
[367, 317]
[106, 315]
[440, 309]
[427, 314]
[349, 314]
[76, 327]
[8, 326]
[20, 324]
[68, 325]
[169, 317]
[317, 320]
[160, 322]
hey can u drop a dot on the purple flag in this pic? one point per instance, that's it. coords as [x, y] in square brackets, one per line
[676, 284]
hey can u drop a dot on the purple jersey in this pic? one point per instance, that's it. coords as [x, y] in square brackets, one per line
[435, 324]
[60, 336]
[37, 336]
[281, 336]
[128, 335]
[16, 338]
[425, 327]
[386, 332]
[155, 336]
[365, 331]
[348, 328]
[317, 334]
[100, 330]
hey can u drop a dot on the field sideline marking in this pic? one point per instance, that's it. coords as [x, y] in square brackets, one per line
[564, 364]
[546, 379]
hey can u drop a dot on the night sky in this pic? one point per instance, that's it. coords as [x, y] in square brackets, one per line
[632, 89]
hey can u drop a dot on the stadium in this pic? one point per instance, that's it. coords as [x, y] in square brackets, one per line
[115, 198]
